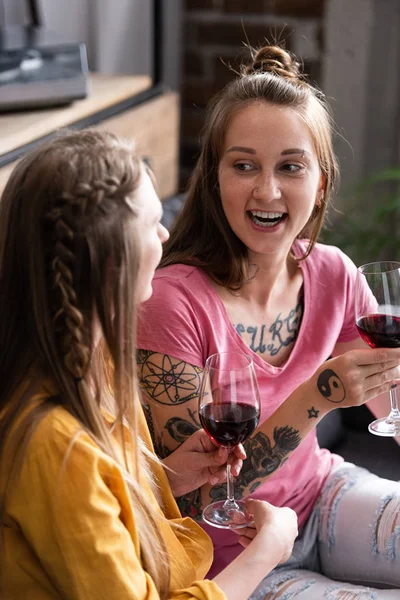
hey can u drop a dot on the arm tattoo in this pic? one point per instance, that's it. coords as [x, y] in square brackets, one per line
[171, 382]
[142, 356]
[284, 332]
[159, 447]
[331, 387]
[190, 505]
[263, 459]
[180, 429]
[313, 413]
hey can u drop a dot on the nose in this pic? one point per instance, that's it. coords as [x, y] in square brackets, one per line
[163, 234]
[267, 188]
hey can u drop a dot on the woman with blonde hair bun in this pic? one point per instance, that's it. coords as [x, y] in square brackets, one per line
[86, 509]
[243, 271]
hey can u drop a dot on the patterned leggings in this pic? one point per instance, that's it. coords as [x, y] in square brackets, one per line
[349, 548]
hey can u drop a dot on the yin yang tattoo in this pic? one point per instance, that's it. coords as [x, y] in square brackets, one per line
[331, 387]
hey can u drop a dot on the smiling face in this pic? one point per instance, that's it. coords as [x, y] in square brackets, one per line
[269, 177]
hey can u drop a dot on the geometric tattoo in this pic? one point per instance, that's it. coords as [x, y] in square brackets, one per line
[172, 378]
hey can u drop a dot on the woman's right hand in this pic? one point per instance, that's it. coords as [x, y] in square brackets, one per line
[268, 543]
[273, 527]
[357, 376]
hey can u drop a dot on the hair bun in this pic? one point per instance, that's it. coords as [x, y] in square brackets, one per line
[273, 59]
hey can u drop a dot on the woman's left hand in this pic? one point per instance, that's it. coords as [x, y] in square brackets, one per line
[198, 461]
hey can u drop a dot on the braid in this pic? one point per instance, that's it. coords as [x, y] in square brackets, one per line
[87, 197]
[67, 318]
[64, 219]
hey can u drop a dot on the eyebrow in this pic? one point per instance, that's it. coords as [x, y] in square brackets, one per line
[241, 149]
[301, 151]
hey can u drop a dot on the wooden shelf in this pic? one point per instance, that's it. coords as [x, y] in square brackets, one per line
[22, 128]
[153, 123]
[154, 126]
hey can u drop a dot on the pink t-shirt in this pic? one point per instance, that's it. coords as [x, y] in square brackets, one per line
[186, 319]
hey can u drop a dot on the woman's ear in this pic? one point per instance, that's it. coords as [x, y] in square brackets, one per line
[321, 190]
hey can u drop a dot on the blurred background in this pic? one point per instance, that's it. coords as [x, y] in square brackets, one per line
[350, 49]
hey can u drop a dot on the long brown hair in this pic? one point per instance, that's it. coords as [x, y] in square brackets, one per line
[201, 235]
[69, 259]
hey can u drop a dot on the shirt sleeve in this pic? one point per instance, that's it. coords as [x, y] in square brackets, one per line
[73, 507]
[349, 276]
[171, 322]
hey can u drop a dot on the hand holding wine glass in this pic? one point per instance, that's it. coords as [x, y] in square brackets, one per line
[279, 523]
[378, 322]
[199, 461]
[229, 411]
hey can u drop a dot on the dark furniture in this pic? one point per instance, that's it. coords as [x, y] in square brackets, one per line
[345, 432]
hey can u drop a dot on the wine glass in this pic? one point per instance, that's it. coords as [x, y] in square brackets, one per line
[229, 411]
[377, 301]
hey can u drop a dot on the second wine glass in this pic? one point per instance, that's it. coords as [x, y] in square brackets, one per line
[378, 322]
[229, 411]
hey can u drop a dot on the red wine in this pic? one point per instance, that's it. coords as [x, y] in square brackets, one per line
[380, 331]
[229, 424]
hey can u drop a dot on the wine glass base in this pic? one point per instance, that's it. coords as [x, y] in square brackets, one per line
[385, 427]
[224, 515]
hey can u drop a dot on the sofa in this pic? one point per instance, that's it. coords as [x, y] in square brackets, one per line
[345, 432]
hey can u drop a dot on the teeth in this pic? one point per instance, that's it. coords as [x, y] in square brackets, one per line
[265, 223]
[265, 219]
[266, 215]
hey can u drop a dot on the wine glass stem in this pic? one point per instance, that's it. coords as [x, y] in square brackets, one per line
[230, 494]
[394, 409]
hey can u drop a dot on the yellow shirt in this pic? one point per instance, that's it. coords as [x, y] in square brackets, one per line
[71, 529]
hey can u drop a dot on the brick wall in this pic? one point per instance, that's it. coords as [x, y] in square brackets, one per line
[213, 34]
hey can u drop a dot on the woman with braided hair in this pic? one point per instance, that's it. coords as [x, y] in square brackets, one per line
[242, 271]
[86, 509]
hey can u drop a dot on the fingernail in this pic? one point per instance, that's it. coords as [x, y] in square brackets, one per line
[213, 480]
